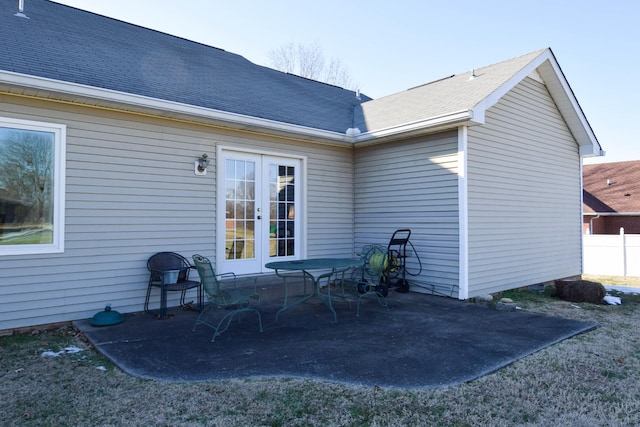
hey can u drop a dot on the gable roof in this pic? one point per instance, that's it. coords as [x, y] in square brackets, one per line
[464, 99]
[72, 55]
[453, 95]
[611, 187]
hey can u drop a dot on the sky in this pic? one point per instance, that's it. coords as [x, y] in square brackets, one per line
[390, 46]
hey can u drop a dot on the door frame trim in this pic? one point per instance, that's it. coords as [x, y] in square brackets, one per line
[219, 216]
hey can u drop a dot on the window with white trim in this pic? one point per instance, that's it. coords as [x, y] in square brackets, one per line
[32, 162]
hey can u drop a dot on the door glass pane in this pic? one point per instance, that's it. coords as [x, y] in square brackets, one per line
[240, 202]
[281, 210]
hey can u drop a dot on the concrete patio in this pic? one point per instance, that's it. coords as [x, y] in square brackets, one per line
[421, 342]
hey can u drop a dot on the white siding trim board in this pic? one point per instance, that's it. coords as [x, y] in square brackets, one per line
[463, 209]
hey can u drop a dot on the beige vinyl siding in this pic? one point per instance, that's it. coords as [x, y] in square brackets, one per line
[412, 184]
[130, 192]
[523, 194]
[329, 201]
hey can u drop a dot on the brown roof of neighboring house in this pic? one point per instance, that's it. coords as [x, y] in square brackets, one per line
[611, 187]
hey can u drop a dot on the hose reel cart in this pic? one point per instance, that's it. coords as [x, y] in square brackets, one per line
[395, 273]
[370, 281]
[384, 268]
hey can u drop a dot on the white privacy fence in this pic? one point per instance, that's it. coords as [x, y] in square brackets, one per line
[611, 254]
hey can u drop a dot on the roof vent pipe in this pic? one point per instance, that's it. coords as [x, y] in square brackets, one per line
[21, 10]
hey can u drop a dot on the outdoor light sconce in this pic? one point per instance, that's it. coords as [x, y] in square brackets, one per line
[200, 167]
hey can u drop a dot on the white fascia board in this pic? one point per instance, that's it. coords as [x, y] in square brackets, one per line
[548, 68]
[564, 97]
[502, 90]
[591, 151]
[458, 117]
[164, 108]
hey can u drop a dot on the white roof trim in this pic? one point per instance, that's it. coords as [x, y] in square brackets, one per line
[456, 118]
[175, 109]
[546, 66]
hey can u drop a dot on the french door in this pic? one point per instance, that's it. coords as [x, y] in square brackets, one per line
[260, 196]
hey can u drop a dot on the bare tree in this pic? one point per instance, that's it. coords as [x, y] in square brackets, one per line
[26, 172]
[309, 62]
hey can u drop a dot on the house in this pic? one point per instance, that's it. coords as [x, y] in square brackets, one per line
[611, 198]
[114, 119]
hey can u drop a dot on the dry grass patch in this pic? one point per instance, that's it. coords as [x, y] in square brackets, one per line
[630, 281]
[591, 379]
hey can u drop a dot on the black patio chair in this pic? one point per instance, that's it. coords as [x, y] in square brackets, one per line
[169, 271]
[223, 292]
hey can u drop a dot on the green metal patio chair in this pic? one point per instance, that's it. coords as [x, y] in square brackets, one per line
[222, 292]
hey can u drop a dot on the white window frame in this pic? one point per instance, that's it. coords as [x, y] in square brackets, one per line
[59, 151]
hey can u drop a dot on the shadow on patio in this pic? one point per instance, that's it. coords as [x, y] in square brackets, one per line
[421, 342]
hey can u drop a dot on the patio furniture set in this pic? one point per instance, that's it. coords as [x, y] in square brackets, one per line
[369, 275]
[169, 271]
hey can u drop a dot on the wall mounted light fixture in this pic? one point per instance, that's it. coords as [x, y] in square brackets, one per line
[200, 166]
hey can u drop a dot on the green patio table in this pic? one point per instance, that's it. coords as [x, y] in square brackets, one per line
[326, 267]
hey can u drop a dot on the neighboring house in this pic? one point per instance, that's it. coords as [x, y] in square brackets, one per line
[611, 198]
[298, 168]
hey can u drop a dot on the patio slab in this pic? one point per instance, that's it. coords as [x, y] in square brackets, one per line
[421, 342]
